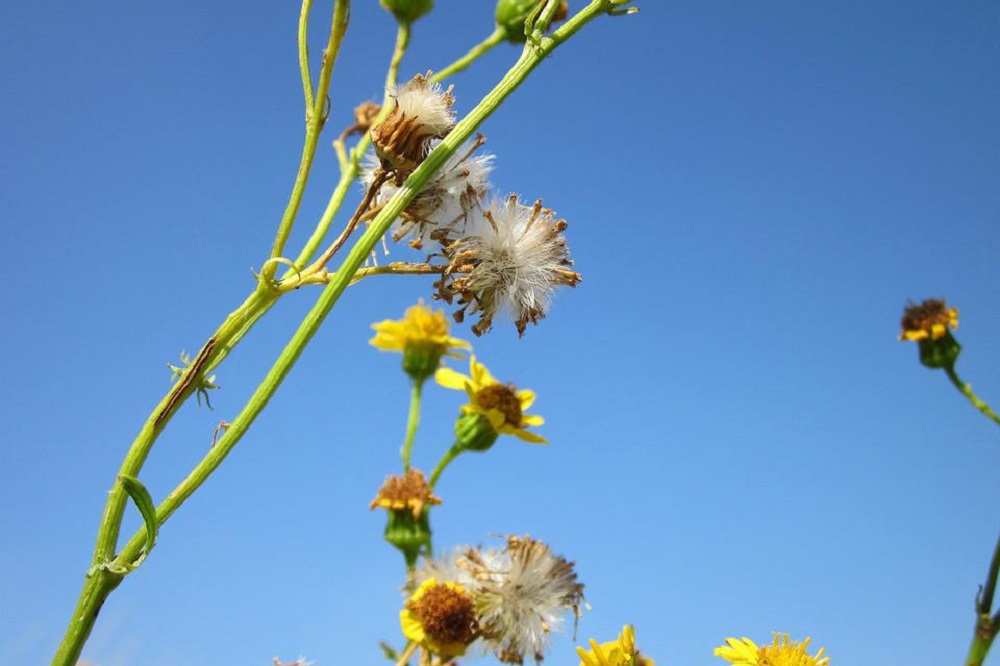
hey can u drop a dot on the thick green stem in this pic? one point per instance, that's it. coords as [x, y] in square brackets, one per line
[474, 54]
[315, 119]
[412, 423]
[98, 586]
[986, 627]
[966, 390]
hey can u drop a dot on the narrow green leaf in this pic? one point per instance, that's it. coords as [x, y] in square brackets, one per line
[144, 502]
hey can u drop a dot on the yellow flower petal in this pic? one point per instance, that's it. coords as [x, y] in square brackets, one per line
[448, 378]
[526, 397]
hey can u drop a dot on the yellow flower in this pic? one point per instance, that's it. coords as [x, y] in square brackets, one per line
[500, 404]
[621, 652]
[421, 336]
[929, 320]
[782, 652]
[440, 617]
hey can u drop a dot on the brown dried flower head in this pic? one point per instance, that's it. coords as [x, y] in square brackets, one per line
[408, 491]
[421, 112]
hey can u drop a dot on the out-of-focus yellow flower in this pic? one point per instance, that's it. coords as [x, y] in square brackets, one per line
[782, 652]
[621, 652]
[502, 405]
[928, 321]
[440, 617]
[421, 336]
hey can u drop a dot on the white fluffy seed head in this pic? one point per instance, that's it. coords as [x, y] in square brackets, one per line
[420, 112]
[442, 209]
[518, 256]
[425, 102]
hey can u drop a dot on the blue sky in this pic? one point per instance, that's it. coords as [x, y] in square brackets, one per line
[739, 445]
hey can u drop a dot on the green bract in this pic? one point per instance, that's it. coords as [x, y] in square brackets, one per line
[511, 15]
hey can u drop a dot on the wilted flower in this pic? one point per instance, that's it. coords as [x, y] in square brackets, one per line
[522, 598]
[510, 261]
[420, 112]
[452, 193]
[621, 652]
[782, 652]
[929, 320]
[422, 337]
[522, 593]
[498, 408]
[407, 492]
[440, 617]
[930, 325]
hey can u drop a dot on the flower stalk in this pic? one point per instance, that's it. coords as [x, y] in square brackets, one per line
[102, 579]
[987, 626]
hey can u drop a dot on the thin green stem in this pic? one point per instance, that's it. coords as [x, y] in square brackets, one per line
[474, 54]
[315, 120]
[349, 173]
[412, 422]
[238, 323]
[966, 390]
[446, 459]
[307, 88]
[402, 42]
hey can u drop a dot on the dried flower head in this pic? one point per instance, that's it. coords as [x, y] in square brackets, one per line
[511, 261]
[782, 652]
[364, 115]
[441, 209]
[440, 617]
[928, 320]
[407, 492]
[621, 652]
[503, 406]
[420, 112]
[522, 597]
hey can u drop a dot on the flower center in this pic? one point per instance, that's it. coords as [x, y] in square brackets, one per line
[502, 398]
[446, 614]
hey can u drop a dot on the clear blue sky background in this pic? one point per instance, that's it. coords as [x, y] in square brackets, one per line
[739, 443]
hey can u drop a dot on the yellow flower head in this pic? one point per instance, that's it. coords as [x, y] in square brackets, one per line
[501, 404]
[405, 492]
[782, 652]
[421, 336]
[440, 617]
[928, 321]
[621, 652]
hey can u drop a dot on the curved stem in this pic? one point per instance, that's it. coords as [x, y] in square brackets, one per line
[474, 54]
[402, 42]
[966, 390]
[307, 88]
[446, 459]
[412, 423]
[407, 653]
[315, 120]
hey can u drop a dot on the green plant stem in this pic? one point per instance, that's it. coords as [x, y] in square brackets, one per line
[238, 323]
[966, 390]
[349, 174]
[446, 459]
[412, 422]
[307, 89]
[315, 119]
[986, 627]
[474, 54]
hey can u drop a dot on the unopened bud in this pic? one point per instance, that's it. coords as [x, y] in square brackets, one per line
[407, 11]
[511, 15]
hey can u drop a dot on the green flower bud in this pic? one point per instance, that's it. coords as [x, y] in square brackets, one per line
[940, 353]
[407, 11]
[408, 534]
[473, 432]
[511, 15]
